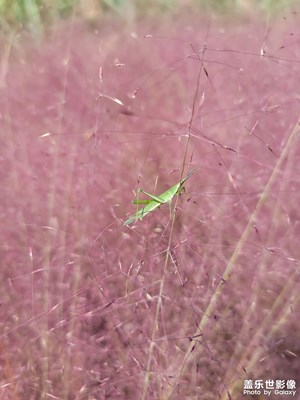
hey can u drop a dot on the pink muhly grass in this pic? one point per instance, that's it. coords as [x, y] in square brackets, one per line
[87, 118]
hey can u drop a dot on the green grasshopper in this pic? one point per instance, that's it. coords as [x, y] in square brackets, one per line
[156, 201]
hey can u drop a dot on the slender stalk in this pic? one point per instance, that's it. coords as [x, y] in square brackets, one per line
[168, 250]
[235, 255]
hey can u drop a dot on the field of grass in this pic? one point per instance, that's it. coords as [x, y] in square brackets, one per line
[195, 298]
[35, 15]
